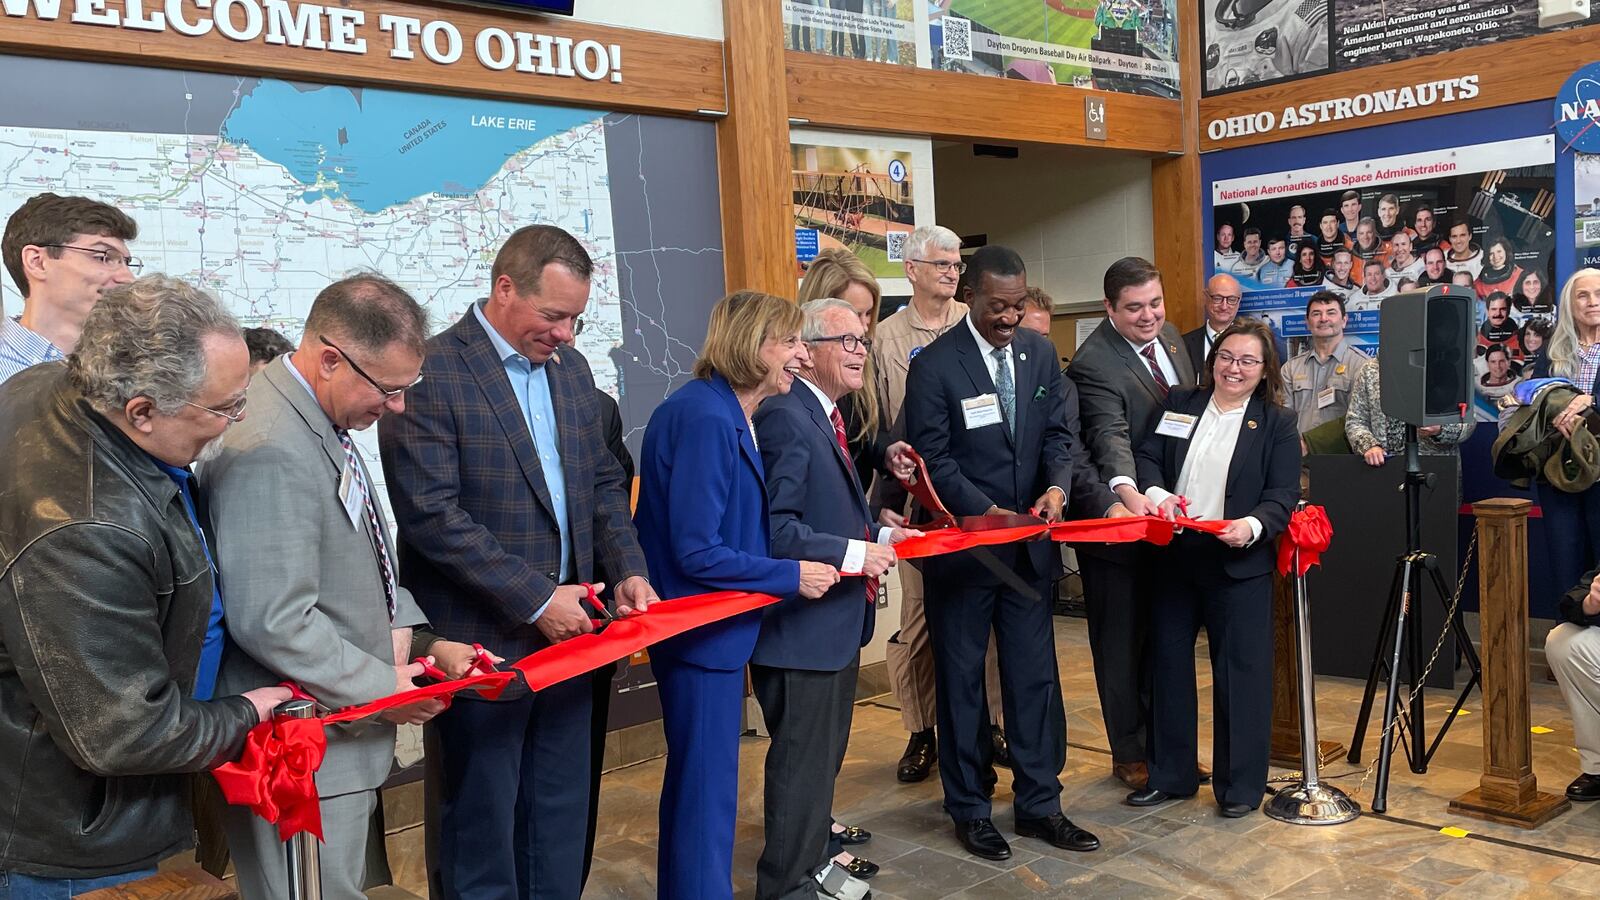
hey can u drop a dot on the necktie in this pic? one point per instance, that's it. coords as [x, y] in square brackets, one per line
[1149, 353]
[1004, 386]
[844, 447]
[374, 527]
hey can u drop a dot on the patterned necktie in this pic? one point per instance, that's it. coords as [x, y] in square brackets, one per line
[374, 527]
[844, 447]
[1007, 389]
[1149, 353]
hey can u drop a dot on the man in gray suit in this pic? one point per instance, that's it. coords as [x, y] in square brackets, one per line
[308, 562]
[1124, 371]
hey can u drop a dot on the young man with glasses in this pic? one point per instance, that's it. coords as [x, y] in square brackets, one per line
[61, 252]
[1221, 302]
[290, 493]
[934, 268]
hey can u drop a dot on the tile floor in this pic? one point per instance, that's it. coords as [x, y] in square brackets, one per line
[1182, 849]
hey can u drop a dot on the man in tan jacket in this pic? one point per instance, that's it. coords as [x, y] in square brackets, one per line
[933, 266]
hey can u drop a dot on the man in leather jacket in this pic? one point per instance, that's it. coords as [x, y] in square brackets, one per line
[107, 592]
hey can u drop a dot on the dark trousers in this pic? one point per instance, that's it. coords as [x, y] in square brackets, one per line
[808, 715]
[1117, 600]
[701, 713]
[1237, 615]
[1571, 532]
[514, 795]
[600, 709]
[960, 616]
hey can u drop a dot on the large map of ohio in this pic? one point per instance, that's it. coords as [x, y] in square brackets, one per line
[263, 191]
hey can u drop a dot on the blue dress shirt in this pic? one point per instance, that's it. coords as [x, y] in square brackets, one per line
[21, 347]
[531, 384]
[205, 680]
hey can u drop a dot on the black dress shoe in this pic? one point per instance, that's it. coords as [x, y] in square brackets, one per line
[852, 835]
[861, 868]
[1153, 797]
[1059, 831]
[1584, 789]
[921, 753]
[982, 839]
[1235, 810]
[1002, 749]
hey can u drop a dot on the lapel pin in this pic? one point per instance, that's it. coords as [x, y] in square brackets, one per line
[1251, 424]
[1339, 369]
[1022, 356]
[1172, 348]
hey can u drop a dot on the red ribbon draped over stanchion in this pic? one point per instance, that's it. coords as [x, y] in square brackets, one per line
[1311, 532]
[627, 635]
[276, 774]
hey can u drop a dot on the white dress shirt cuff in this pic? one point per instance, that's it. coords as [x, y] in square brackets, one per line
[885, 532]
[1157, 494]
[542, 607]
[1119, 480]
[1255, 529]
[855, 557]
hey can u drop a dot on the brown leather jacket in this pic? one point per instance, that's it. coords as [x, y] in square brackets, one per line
[104, 596]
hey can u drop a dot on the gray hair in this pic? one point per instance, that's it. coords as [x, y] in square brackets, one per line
[1563, 346]
[930, 237]
[145, 339]
[816, 312]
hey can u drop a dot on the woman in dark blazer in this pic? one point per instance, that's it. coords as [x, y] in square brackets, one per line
[1226, 451]
[702, 521]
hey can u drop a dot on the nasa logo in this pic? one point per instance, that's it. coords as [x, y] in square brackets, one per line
[1578, 110]
[914, 351]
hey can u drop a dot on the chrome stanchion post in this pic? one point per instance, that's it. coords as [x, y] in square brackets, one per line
[302, 851]
[1310, 802]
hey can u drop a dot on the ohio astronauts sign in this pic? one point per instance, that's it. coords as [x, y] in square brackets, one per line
[1446, 90]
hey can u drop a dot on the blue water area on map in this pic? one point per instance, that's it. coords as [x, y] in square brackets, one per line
[379, 148]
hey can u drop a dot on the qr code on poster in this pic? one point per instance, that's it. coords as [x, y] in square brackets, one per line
[957, 38]
[897, 245]
[1591, 231]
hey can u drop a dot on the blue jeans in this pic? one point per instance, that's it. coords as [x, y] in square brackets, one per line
[17, 886]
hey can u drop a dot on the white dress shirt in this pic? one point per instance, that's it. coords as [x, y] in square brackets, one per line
[989, 362]
[1203, 482]
[855, 555]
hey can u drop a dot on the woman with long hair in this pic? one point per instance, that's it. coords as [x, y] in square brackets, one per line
[1500, 270]
[1308, 270]
[840, 274]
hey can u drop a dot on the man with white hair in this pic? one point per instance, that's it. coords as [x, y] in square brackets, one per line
[805, 663]
[933, 266]
[110, 608]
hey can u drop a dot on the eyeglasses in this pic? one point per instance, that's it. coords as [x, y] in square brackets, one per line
[388, 393]
[849, 342]
[105, 257]
[233, 413]
[943, 265]
[1243, 362]
[1224, 299]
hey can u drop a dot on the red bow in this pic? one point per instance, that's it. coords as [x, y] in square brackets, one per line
[1309, 531]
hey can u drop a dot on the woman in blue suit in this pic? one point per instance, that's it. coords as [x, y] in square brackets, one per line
[702, 521]
[1228, 451]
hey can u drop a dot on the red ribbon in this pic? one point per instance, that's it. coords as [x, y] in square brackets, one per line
[1151, 529]
[1311, 532]
[276, 774]
[629, 634]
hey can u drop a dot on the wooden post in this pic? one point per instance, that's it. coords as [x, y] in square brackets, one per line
[1176, 194]
[173, 884]
[753, 152]
[1508, 792]
[1286, 675]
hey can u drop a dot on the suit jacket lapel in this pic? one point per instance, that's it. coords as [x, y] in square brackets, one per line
[1181, 363]
[747, 444]
[1179, 449]
[305, 406]
[825, 425]
[490, 373]
[1135, 362]
[1249, 438]
[972, 359]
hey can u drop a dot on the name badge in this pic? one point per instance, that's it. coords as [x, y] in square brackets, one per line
[981, 410]
[1176, 425]
[1325, 398]
[350, 494]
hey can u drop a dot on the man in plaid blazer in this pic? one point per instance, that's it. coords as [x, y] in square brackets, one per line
[506, 498]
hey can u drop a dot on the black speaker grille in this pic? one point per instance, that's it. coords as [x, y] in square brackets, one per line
[1447, 360]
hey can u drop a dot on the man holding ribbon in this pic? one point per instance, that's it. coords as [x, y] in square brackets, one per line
[806, 659]
[110, 609]
[507, 499]
[309, 565]
[987, 407]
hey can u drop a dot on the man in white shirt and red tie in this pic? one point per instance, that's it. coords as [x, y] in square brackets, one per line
[1124, 371]
[805, 662]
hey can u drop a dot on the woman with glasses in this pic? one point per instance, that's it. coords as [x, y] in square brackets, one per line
[1226, 452]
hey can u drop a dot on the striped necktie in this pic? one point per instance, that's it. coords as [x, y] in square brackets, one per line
[374, 527]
